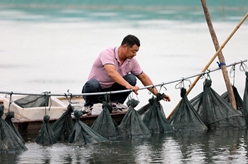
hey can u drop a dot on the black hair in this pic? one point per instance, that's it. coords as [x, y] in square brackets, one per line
[131, 40]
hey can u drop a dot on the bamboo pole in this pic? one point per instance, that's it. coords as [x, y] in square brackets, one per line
[212, 59]
[220, 55]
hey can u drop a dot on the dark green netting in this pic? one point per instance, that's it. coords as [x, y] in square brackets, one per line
[185, 118]
[104, 124]
[144, 109]
[9, 141]
[155, 118]
[245, 99]
[215, 112]
[8, 118]
[46, 135]
[33, 101]
[63, 126]
[239, 101]
[132, 124]
[82, 134]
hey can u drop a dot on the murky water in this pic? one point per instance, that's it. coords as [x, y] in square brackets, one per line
[52, 49]
[211, 147]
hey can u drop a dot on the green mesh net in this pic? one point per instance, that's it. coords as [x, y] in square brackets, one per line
[185, 118]
[245, 99]
[144, 109]
[63, 126]
[132, 124]
[46, 135]
[82, 134]
[154, 117]
[104, 124]
[8, 118]
[215, 112]
[33, 101]
[9, 141]
[238, 99]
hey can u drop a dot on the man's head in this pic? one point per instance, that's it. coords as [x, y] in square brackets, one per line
[131, 40]
[130, 45]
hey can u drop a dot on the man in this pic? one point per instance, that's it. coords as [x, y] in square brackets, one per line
[116, 69]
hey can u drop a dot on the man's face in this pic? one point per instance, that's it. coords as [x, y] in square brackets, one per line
[131, 51]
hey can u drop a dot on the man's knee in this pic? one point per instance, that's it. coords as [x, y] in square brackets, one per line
[91, 86]
[131, 79]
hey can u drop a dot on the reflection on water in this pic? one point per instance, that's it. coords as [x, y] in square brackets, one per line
[212, 147]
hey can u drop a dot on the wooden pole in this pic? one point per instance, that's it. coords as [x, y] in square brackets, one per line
[220, 55]
[212, 59]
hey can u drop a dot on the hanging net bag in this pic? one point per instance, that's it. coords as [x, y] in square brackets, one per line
[132, 124]
[155, 118]
[9, 141]
[215, 112]
[185, 118]
[245, 99]
[104, 124]
[33, 101]
[8, 118]
[238, 99]
[82, 134]
[63, 126]
[46, 135]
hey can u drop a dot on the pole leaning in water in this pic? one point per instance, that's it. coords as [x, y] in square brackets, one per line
[212, 59]
[220, 55]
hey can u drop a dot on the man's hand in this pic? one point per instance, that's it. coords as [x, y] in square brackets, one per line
[134, 89]
[167, 98]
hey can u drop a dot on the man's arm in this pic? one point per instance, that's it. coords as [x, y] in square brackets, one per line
[113, 74]
[146, 81]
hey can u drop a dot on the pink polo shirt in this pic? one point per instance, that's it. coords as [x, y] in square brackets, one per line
[110, 56]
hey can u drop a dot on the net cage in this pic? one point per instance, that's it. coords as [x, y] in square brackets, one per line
[185, 117]
[215, 111]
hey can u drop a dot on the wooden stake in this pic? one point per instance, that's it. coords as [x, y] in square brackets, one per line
[220, 55]
[212, 59]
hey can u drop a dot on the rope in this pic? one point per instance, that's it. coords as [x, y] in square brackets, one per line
[243, 67]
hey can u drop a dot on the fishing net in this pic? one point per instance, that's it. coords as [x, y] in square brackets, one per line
[82, 134]
[46, 135]
[8, 118]
[239, 101]
[215, 112]
[104, 124]
[155, 118]
[245, 99]
[132, 124]
[144, 109]
[185, 118]
[9, 141]
[33, 101]
[63, 126]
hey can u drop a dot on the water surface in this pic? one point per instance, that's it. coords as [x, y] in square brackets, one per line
[47, 47]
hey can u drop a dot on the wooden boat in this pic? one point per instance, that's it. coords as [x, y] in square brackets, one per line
[29, 124]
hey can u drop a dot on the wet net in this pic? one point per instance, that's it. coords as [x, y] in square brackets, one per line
[9, 141]
[185, 117]
[82, 134]
[215, 112]
[63, 126]
[245, 99]
[132, 124]
[8, 118]
[33, 101]
[46, 135]
[154, 117]
[104, 124]
[238, 99]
